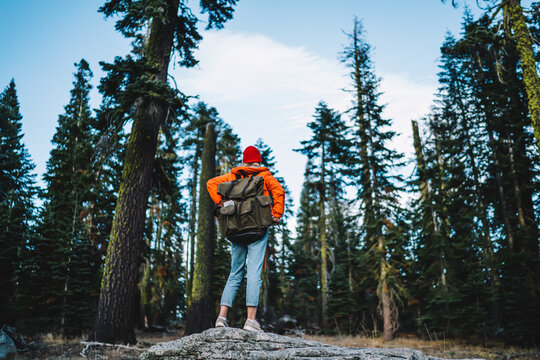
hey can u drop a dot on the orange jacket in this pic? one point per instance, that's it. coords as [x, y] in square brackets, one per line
[271, 185]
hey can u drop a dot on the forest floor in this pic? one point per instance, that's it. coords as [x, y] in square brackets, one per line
[50, 347]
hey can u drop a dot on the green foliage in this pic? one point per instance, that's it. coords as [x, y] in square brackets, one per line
[328, 148]
[482, 172]
[304, 269]
[69, 272]
[373, 168]
[342, 309]
[17, 191]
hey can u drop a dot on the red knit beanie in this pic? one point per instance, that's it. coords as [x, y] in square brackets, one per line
[251, 155]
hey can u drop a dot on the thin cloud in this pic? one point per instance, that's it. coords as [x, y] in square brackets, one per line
[268, 89]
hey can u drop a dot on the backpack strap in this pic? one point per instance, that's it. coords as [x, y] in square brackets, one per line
[247, 184]
[228, 191]
[238, 177]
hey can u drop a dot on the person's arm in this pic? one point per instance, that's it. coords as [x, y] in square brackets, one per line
[212, 186]
[278, 194]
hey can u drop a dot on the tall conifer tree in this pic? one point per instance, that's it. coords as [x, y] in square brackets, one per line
[378, 189]
[304, 269]
[326, 148]
[17, 191]
[515, 21]
[69, 179]
[138, 86]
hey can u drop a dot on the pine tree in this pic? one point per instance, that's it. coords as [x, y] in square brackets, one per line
[17, 191]
[138, 86]
[476, 178]
[327, 148]
[69, 179]
[304, 270]
[227, 154]
[516, 23]
[200, 314]
[193, 142]
[341, 305]
[378, 189]
[500, 96]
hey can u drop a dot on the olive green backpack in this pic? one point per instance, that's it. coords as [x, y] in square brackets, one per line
[246, 212]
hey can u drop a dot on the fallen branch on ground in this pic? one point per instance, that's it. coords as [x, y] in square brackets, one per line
[95, 343]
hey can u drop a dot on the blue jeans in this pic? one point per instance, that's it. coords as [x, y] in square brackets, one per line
[253, 255]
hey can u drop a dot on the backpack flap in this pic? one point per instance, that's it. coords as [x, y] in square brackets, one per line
[264, 200]
[229, 208]
[224, 187]
[244, 188]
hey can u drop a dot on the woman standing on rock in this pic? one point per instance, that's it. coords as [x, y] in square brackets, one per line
[250, 200]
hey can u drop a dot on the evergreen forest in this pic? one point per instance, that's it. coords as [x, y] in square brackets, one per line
[121, 234]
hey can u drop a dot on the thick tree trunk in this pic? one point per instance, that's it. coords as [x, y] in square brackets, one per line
[523, 39]
[200, 315]
[120, 275]
[113, 322]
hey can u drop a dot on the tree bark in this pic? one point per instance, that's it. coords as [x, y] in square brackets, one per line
[322, 239]
[113, 322]
[522, 36]
[120, 275]
[192, 220]
[388, 329]
[200, 315]
[425, 191]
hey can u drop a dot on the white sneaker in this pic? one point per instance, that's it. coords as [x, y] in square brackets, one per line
[221, 322]
[252, 325]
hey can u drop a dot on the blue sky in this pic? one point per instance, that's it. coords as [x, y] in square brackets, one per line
[264, 73]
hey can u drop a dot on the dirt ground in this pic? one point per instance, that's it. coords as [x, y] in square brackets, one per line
[50, 347]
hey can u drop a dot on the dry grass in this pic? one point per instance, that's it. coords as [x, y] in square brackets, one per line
[449, 349]
[49, 347]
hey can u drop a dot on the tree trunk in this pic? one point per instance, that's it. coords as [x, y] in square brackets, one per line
[522, 36]
[113, 322]
[120, 275]
[502, 197]
[422, 176]
[200, 315]
[528, 241]
[388, 329]
[322, 239]
[192, 220]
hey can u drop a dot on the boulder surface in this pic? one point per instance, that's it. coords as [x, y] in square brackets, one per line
[238, 344]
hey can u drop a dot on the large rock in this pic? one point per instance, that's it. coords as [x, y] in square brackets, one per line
[237, 344]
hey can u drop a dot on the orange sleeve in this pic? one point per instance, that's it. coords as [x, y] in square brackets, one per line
[278, 194]
[212, 186]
